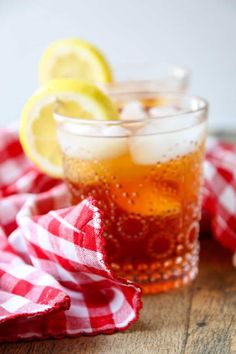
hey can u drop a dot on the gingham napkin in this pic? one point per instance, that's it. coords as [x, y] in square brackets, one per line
[219, 192]
[54, 280]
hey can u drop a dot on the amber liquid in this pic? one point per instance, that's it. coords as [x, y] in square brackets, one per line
[151, 215]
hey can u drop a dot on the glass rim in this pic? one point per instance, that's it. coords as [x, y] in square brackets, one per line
[203, 107]
[177, 77]
[159, 65]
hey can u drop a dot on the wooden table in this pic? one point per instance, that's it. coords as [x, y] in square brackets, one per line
[199, 319]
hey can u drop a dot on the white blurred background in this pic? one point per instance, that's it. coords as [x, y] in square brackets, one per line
[200, 34]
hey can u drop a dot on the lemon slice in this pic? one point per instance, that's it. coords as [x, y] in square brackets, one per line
[38, 127]
[147, 201]
[74, 58]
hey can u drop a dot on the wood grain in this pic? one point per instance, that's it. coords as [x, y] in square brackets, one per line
[212, 321]
[199, 319]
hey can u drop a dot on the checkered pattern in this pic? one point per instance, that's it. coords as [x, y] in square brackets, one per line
[219, 201]
[12, 160]
[54, 280]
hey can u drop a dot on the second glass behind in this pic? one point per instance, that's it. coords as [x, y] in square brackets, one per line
[159, 77]
[145, 172]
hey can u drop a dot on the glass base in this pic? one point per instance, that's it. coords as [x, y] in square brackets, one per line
[167, 285]
[157, 277]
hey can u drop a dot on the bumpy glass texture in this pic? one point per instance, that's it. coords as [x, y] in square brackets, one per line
[148, 187]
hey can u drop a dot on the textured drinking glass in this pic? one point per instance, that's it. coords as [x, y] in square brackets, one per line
[159, 77]
[145, 171]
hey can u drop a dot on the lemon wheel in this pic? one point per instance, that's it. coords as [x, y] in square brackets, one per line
[74, 58]
[38, 127]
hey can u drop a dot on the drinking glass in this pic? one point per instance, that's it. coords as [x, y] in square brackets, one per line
[164, 77]
[145, 172]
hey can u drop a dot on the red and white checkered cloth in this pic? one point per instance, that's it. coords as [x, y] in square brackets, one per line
[219, 197]
[54, 280]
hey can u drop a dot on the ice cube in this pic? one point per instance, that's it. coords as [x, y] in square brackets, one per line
[156, 112]
[83, 129]
[163, 124]
[133, 111]
[153, 147]
[90, 144]
[116, 130]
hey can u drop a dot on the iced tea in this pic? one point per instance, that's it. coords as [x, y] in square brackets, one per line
[146, 177]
